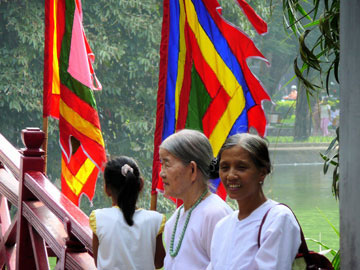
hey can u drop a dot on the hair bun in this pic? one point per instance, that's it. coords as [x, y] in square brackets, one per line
[214, 168]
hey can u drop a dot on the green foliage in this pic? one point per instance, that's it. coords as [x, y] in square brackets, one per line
[332, 254]
[290, 139]
[331, 157]
[286, 108]
[322, 20]
[316, 25]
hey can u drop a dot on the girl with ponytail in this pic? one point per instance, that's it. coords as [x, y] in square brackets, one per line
[125, 237]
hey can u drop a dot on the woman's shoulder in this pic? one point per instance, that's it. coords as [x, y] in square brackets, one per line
[106, 210]
[228, 220]
[281, 214]
[214, 203]
[150, 214]
[279, 209]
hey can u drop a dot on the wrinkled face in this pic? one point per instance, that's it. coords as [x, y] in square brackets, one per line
[175, 175]
[239, 174]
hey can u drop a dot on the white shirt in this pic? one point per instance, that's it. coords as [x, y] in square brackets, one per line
[234, 243]
[194, 253]
[124, 247]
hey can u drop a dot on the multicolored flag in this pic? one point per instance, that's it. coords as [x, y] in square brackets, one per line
[68, 83]
[205, 82]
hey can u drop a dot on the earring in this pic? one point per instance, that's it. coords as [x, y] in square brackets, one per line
[261, 182]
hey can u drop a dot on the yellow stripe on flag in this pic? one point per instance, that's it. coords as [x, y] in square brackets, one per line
[77, 182]
[225, 123]
[181, 60]
[80, 124]
[225, 77]
[211, 56]
[55, 63]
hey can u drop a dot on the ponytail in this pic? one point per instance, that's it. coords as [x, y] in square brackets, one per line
[128, 197]
[122, 176]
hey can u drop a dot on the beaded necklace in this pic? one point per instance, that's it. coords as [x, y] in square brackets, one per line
[172, 252]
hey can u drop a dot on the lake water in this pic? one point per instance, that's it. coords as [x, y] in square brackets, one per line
[308, 192]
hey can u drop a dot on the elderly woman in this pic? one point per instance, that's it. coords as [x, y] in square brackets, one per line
[243, 165]
[185, 157]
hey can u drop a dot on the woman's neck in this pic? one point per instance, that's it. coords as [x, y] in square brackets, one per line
[193, 195]
[248, 205]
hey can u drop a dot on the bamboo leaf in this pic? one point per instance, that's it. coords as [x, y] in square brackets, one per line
[306, 55]
[300, 76]
[303, 11]
[328, 221]
[312, 24]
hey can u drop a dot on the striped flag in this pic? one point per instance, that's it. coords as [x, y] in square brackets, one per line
[68, 83]
[204, 81]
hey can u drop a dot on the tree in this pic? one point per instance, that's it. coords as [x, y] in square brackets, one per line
[320, 59]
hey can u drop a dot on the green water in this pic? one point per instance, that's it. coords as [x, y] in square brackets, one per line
[306, 189]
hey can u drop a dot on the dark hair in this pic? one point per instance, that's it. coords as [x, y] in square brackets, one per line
[127, 188]
[253, 144]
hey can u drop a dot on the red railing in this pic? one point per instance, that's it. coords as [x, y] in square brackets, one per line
[46, 223]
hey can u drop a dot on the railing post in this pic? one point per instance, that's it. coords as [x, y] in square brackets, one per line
[32, 159]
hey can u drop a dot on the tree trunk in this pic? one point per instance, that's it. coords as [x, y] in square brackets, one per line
[302, 116]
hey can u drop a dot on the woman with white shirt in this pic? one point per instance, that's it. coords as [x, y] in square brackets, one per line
[244, 164]
[185, 166]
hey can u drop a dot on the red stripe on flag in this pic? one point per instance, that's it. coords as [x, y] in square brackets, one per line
[85, 110]
[161, 94]
[212, 85]
[205, 72]
[94, 150]
[48, 57]
[50, 100]
[186, 87]
[215, 111]
[221, 191]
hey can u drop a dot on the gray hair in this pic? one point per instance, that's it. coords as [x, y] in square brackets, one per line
[255, 145]
[190, 145]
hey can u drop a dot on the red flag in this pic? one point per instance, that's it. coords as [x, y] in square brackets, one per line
[68, 82]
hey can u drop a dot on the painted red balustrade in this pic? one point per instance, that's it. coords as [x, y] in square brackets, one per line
[46, 223]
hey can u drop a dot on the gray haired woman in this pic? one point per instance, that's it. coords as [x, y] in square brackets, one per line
[186, 157]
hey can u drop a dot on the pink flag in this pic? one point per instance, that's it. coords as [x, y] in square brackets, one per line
[81, 57]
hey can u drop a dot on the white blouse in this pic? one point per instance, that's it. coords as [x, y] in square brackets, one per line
[234, 244]
[194, 253]
[122, 246]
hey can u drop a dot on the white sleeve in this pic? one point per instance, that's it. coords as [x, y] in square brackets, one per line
[280, 241]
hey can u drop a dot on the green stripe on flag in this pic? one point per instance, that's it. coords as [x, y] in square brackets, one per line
[199, 102]
[83, 92]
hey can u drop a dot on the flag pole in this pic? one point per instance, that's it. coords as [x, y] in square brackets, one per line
[153, 201]
[45, 143]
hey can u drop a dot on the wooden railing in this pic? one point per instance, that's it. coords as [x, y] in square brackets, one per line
[46, 224]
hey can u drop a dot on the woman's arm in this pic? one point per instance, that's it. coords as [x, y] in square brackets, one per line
[159, 252]
[280, 241]
[95, 246]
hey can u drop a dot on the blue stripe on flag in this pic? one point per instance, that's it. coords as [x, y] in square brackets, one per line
[219, 42]
[173, 54]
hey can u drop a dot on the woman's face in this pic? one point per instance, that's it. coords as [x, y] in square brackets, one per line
[239, 174]
[175, 175]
